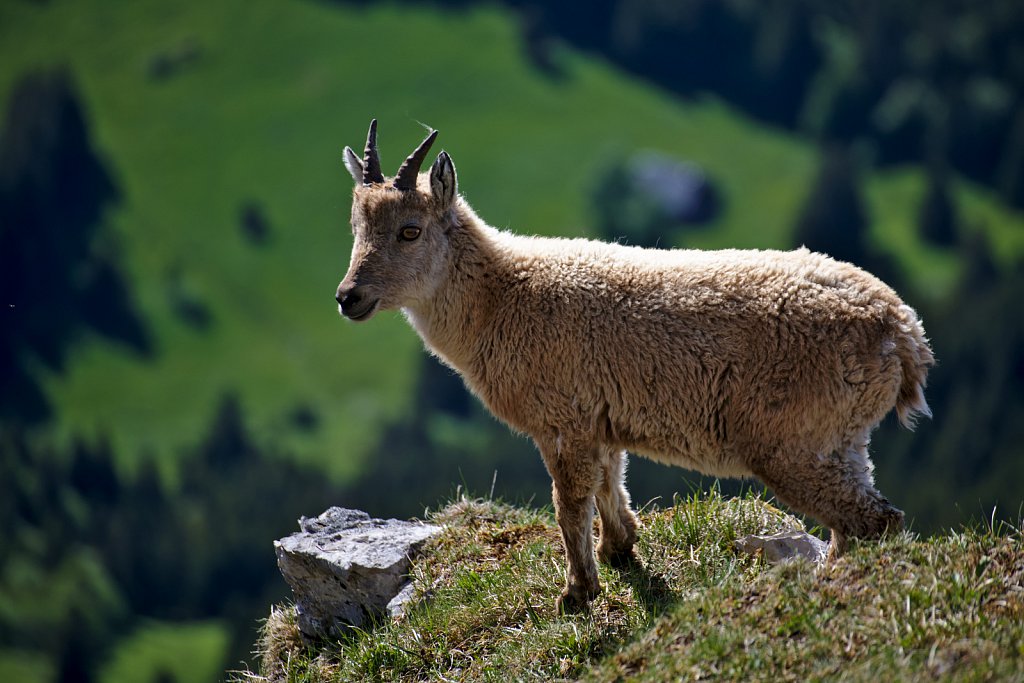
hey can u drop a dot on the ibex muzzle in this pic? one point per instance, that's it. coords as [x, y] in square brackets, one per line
[353, 302]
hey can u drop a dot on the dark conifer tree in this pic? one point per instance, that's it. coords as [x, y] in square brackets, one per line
[937, 216]
[834, 220]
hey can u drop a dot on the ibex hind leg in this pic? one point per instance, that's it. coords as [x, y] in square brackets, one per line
[836, 489]
[618, 522]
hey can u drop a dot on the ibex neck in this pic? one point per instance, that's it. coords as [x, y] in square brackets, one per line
[451, 322]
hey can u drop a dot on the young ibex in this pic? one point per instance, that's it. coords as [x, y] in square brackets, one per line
[732, 363]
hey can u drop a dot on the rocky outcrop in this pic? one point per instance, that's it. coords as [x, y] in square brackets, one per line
[346, 569]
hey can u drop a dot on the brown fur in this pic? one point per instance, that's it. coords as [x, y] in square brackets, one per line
[732, 363]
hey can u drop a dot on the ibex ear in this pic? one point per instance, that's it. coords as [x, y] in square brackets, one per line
[443, 184]
[354, 165]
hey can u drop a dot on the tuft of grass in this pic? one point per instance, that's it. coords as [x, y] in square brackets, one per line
[948, 607]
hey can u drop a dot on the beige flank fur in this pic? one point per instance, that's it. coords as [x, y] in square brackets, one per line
[732, 363]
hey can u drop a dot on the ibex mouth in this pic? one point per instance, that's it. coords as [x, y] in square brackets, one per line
[363, 313]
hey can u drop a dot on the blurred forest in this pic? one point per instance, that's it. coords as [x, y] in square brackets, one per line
[177, 388]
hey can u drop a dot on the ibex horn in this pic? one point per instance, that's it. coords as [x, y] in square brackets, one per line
[371, 160]
[406, 178]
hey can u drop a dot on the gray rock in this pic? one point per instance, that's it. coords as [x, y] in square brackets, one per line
[785, 545]
[396, 607]
[344, 568]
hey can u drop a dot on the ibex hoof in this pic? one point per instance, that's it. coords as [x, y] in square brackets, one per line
[619, 558]
[575, 600]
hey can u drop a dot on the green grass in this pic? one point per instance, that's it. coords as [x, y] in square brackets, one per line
[949, 607]
[278, 89]
[946, 608]
[190, 652]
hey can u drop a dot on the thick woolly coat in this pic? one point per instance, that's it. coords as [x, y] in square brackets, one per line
[712, 360]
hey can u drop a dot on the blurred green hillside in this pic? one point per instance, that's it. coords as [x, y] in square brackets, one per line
[221, 126]
[261, 113]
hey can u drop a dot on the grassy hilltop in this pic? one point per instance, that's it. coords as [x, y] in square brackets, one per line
[949, 607]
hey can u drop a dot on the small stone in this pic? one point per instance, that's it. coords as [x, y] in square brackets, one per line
[396, 607]
[345, 568]
[785, 545]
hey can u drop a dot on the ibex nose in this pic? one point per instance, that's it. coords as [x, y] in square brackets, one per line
[347, 296]
[350, 298]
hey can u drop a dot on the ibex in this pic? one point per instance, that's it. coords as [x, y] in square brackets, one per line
[733, 363]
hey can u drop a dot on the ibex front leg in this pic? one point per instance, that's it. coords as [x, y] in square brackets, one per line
[575, 473]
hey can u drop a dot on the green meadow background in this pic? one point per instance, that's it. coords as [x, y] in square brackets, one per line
[143, 496]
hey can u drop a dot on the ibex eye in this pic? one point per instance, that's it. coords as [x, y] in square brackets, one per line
[409, 233]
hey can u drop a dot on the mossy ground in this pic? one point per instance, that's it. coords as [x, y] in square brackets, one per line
[948, 607]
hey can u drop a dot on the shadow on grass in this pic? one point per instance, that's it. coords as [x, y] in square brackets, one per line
[651, 590]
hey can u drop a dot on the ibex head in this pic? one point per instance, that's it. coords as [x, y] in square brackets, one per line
[401, 230]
